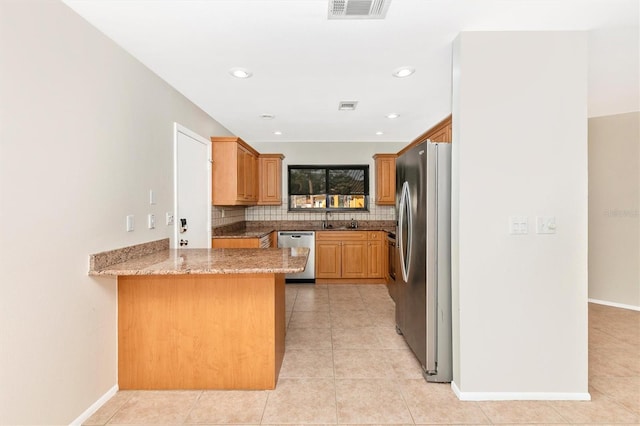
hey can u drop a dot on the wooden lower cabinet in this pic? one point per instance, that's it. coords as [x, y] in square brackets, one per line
[376, 265]
[328, 259]
[349, 255]
[354, 259]
[267, 241]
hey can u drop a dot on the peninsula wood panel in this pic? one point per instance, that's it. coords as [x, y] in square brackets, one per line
[235, 243]
[200, 331]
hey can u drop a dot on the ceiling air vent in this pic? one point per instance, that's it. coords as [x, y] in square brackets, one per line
[358, 9]
[347, 105]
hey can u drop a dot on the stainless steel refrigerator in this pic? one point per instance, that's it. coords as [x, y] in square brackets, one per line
[423, 268]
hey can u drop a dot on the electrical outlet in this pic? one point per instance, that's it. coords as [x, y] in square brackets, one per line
[169, 218]
[130, 223]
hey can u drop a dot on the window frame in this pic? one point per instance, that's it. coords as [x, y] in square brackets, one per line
[327, 168]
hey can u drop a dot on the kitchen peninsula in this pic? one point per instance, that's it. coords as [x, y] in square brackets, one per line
[199, 318]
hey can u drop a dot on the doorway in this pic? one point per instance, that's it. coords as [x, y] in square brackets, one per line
[192, 189]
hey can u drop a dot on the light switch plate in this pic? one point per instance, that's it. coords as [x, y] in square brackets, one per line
[151, 221]
[545, 224]
[169, 218]
[518, 225]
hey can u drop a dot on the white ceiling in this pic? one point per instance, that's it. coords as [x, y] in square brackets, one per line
[304, 64]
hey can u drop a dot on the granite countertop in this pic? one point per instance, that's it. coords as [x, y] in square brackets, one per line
[247, 233]
[211, 261]
[265, 228]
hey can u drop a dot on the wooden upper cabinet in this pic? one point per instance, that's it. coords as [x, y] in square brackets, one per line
[385, 179]
[270, 179]
[441, 132]
[235, 172]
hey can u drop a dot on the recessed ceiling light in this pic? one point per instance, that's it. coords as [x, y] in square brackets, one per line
[240, 72]
[277, 132]
[393, 115]
[267, 116]
[379, 133]
[403, 72]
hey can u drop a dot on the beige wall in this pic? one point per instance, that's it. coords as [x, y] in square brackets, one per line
[86, 131]
[614, 209]
[520, 149]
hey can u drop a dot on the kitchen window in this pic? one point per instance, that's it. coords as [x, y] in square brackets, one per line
[328, 188]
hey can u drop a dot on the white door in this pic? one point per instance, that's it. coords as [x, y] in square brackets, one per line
[192, 188]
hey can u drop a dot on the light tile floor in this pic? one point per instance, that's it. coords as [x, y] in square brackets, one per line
[345, 364]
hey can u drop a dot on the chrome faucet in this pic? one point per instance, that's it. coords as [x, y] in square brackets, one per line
[325, 222]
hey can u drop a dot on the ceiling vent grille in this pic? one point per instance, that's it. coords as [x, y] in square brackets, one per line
[358, 9]
[347, 105]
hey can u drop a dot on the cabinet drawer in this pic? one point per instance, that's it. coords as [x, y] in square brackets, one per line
[341, 235]
[375, 235]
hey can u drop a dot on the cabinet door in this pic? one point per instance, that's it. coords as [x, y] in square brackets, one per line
[248, 176]
[242, 174]
[251, 177]
[441, 135]
[328, 259]
[375, 259]
[354, 259]
[270, 185]
[255, 177]
[385, 180]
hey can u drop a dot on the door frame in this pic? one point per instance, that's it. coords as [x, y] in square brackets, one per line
[178, 128]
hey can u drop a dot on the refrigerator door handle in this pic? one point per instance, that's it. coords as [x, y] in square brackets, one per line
[404, 213]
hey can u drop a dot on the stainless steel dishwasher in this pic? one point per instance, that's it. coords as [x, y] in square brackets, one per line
[300, 239]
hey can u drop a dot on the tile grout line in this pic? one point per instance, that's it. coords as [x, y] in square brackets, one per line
[184, 421]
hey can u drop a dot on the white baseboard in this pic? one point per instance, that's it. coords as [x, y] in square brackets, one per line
[94, 407]
[614, 304]
[519, 396]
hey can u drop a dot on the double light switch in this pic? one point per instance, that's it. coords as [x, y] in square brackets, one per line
[519, 225]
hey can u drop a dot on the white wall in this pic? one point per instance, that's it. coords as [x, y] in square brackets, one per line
[86, 132]
[614, 71]
[520, 148]
[614, 209]
[326, 153]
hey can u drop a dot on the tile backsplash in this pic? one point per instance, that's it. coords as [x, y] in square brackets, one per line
[223, 216]
[261, 213]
